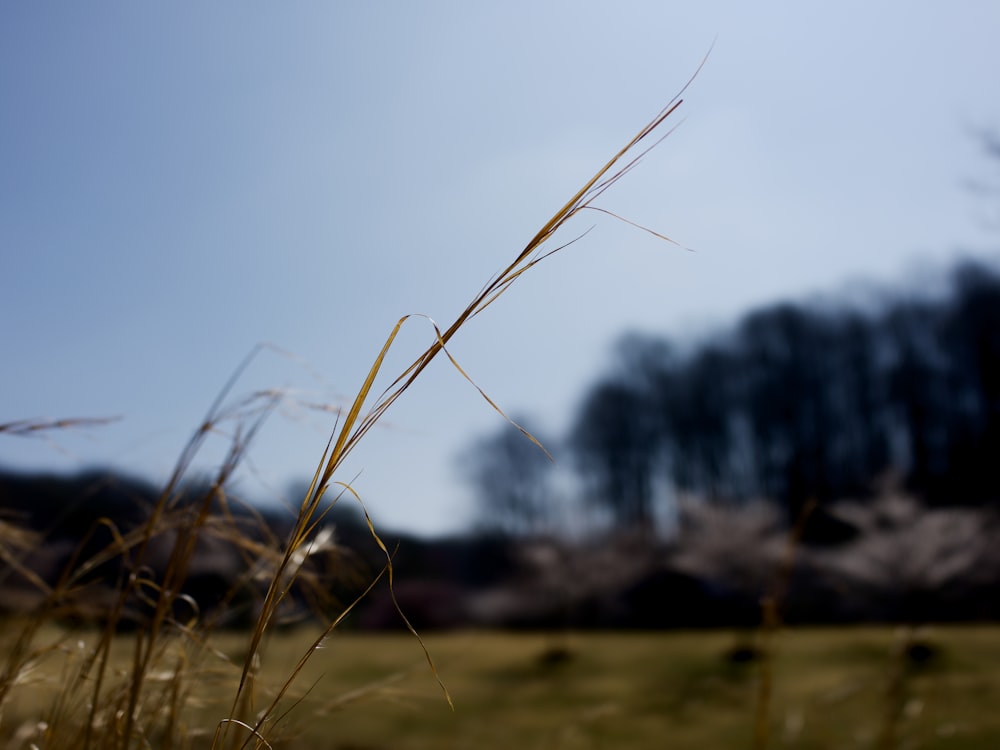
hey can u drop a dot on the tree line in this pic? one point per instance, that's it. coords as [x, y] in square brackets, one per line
[796, 403]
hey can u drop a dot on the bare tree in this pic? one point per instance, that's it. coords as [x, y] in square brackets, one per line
[511, 477]
[616, 445]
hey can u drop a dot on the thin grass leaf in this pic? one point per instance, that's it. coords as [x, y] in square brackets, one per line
[30, 427]
[354, 423]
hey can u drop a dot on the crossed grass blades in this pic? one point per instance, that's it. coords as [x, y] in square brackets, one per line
[100, 706]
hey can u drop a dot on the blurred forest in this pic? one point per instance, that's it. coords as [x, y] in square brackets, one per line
[834, 458]
[796, 404]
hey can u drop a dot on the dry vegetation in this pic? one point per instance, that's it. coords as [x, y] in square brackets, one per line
[141, 678]
[144, 665]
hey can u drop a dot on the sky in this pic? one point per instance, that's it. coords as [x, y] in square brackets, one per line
[182, 182]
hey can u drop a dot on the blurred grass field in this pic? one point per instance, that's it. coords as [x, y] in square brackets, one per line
[831, 688]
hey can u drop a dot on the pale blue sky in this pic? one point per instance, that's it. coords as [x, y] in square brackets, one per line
[179, 182]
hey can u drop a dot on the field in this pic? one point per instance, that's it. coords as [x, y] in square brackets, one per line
[178, 682]
[828, 689]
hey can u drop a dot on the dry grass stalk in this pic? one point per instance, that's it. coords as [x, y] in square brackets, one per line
[357, 420]
[99, 708]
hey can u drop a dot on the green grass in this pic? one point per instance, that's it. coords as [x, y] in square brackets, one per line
[615, 690]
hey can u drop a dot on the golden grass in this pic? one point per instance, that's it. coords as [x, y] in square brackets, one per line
[113, 691]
